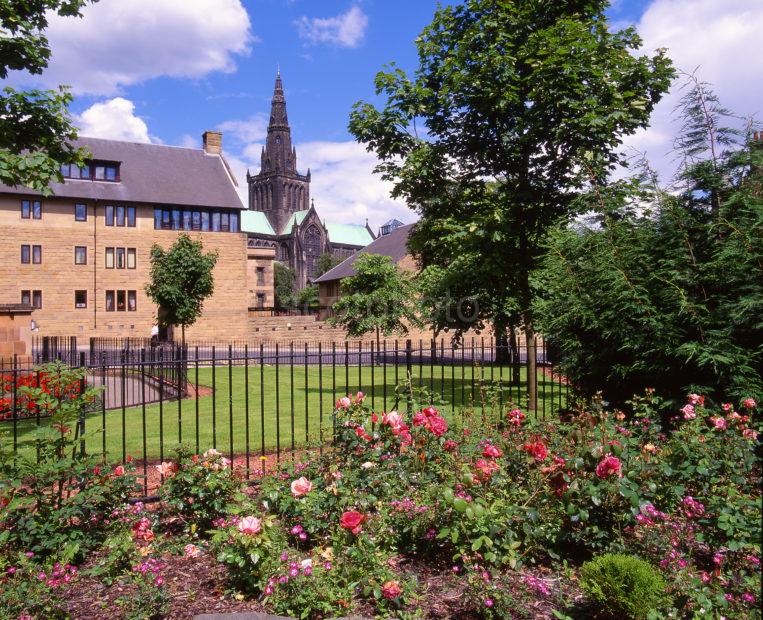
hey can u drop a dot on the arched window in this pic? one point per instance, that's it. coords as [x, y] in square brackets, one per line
[312, 241]
[283, 253]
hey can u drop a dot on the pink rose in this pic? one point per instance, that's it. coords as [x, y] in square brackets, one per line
[609, 466]
[392, 419]
[719, 423]
[688, 411]
[359, 397]
[727, 406]
[343, 403]
[696, 399]
[166, 468]
[301, 486]
[192, 551]
[749, 403]
[119, 470]
[516, 417]
[430, 412]
[250, 526]
[419, 419]
[491, 451]
[749, 433]
[450, 445]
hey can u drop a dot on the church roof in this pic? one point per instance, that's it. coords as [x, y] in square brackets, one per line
[295, 218]
[394, 245]
[256, 222]
[152, 173]
[348, 234]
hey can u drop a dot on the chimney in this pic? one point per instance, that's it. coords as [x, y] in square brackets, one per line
[212, 142]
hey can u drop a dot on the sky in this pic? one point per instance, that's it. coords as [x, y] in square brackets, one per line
[164, 71]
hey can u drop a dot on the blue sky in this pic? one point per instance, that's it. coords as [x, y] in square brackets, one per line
[165, 70]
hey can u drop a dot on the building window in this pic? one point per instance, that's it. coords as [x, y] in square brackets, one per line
[109, 301]
[186, 220]
[196, 221]
[26, 253]
[31, 208]
[205, 221]
[131, 258]
[312, 249]
[36, 254]
[260, 276]
[80, 299]
[109, 215]
[132, 301]
[260, 300]
[109, 258]
[131, 217]
[120, 258]
[216, 221]
[80, 212]
[121, 301]
[120, 216]
[37, 299]
[80, 255]
[26, 298]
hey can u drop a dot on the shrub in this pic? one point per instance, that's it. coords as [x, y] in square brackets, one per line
[622, 586]
[198, 488]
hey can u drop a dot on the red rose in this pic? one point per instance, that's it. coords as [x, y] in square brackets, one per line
[352, 520]
[492, 452]
[430, 412]
[419, 419]
[537, 449]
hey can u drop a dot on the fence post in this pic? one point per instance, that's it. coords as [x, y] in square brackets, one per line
[408, 370]
[82, 387]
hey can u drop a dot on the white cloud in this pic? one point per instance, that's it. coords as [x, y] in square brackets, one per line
[345, 30]
[114, 119]
[123, 42]
[250, 130]
[721, 40]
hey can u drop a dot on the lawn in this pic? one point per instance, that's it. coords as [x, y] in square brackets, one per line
[275, 409]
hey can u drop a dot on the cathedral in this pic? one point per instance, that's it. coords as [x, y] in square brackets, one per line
[280, 213]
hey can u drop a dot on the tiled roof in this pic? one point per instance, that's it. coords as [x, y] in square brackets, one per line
[153, 173]
[256, 222]
[394, 245]
[349, 234]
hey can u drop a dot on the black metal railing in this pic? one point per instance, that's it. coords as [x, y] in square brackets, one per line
[257, 403]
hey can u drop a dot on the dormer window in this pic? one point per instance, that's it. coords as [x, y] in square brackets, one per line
[92, 171]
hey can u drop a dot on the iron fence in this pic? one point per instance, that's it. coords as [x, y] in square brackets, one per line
[258, 403]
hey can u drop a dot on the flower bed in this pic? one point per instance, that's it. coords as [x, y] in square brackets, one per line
[413, 516]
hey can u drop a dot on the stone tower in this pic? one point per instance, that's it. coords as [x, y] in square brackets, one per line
[279, 190]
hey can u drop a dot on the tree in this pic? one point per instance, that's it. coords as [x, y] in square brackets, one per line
[36, 129]
[666, 291]
[180, 280]
[308, 297]
[377, 298]
[326, 262]
[522, 104]
[283, 284]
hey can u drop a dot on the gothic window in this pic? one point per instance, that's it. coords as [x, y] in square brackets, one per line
[278, 139]
[283, 254]
[312, 249]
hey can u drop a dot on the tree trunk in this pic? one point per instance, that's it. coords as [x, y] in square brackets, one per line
[502, 352]
[532, 365]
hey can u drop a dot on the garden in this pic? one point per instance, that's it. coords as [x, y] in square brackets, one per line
[597, 514]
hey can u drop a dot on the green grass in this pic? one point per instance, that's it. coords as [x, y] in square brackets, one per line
[292, 414]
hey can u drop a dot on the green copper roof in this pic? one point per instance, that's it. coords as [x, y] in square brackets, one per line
[349, 234]
[255, 222]
[295, 218]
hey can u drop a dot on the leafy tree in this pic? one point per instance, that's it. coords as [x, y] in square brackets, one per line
[666, 291]
[308, 297]
[521, 103]
[283, 283]
[36, 130]
[180, 280]
[326, 262]
[377, 298]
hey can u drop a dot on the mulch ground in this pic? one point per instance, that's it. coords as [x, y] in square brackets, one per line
[197, 585]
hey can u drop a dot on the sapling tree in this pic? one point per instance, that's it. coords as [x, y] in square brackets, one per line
[180, 280]
[378, 298]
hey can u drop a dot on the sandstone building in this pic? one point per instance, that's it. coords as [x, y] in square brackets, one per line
[281, 214]
[80, 259]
